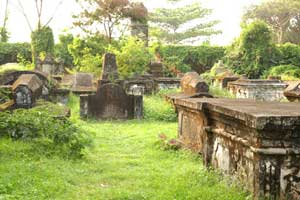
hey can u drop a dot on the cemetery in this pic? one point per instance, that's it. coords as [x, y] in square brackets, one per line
[130, 103]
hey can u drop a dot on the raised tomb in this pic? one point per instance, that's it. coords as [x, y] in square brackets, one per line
[257, 142]
[263, 90]
[292, 92]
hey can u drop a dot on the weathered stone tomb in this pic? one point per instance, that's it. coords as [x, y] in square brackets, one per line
[111, 100]
[257, 142]
[292, 92]
[263, 90]
[26, 90]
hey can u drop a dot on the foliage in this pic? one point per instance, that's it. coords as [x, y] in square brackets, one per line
[42, 41]
[61, 49]
[156, 108]
[87, 53]
[170, 23]
[282, 15]
[5, 94]
[133, 57]
[49, 135]
[4, 34]
[289, 54]
[9, 52]
[253, 52]
[106, 14]
[287, 72]
[220, 93]
[187, 58]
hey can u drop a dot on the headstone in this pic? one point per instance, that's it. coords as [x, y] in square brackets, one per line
[156, 69]
[292, 92]
[192, 84]
[26, 90]
[48, 65]
[83, 83]
[111, 102]
[109, 67]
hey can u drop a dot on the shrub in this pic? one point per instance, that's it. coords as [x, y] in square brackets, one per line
[253, 52]
[287, 72]
[61, 49]
[187, 58]
[289, 54]
[133, 57]
[87, 53]
[156, 108]
[10, 52]
[48, 134]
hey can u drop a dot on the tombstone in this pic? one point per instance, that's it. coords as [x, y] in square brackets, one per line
[48, 65]
[110, 102]
[109, 68]
[262, 90]
[257, 143]
[192, 84]
[222, 82]
[83, 83]
[156, 69]
[27, 89]
[292, 92]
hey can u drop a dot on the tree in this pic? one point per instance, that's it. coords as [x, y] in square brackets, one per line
[42, 39]
[100, 16]
[282, 15]
[175, 25]
[253, 52]
[3, 30]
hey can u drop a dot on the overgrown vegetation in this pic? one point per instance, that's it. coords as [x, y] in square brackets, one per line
[155, 108]
[47, 133]
[12, 52]
[125, 163]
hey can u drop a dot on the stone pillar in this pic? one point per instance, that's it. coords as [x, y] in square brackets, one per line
[138, 107]
[84, 106]
[109, 67]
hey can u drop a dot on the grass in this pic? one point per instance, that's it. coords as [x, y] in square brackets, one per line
[126, 163]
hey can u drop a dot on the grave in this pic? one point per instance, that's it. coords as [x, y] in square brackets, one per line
[263, 90]
[111, 100]
[256, 142]
[83, 83]
[26, 90]
[292, 92]
[156, 69]
[222, 81]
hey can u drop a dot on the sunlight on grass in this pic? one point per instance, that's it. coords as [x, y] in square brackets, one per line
[125, 163]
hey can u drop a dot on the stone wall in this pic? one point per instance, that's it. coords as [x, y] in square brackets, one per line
[263, 90]
[257, 142]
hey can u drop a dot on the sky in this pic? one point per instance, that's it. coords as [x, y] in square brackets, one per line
[229, 12]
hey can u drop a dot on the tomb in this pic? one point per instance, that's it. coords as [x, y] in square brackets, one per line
[256, 142]
[263, 90]
[26, 90]
[292, 92]
[83, 83]
[156, 69]
[222, 81]
[111, 100]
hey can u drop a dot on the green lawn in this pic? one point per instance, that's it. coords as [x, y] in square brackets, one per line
[125, 163]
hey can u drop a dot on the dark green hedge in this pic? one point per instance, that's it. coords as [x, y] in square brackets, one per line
[9, 52]
[186, 58]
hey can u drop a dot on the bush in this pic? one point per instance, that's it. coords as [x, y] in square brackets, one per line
[87, 53]
[10, 52]
[287, 72]
[253, 52]
[133, 57]
[61, 49]
[48, 134]
[187, 58]
[156, 108]
[289, 54]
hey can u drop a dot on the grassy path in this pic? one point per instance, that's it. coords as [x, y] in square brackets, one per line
[125, 164]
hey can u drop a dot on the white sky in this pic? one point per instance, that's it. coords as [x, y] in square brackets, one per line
[229, 12]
